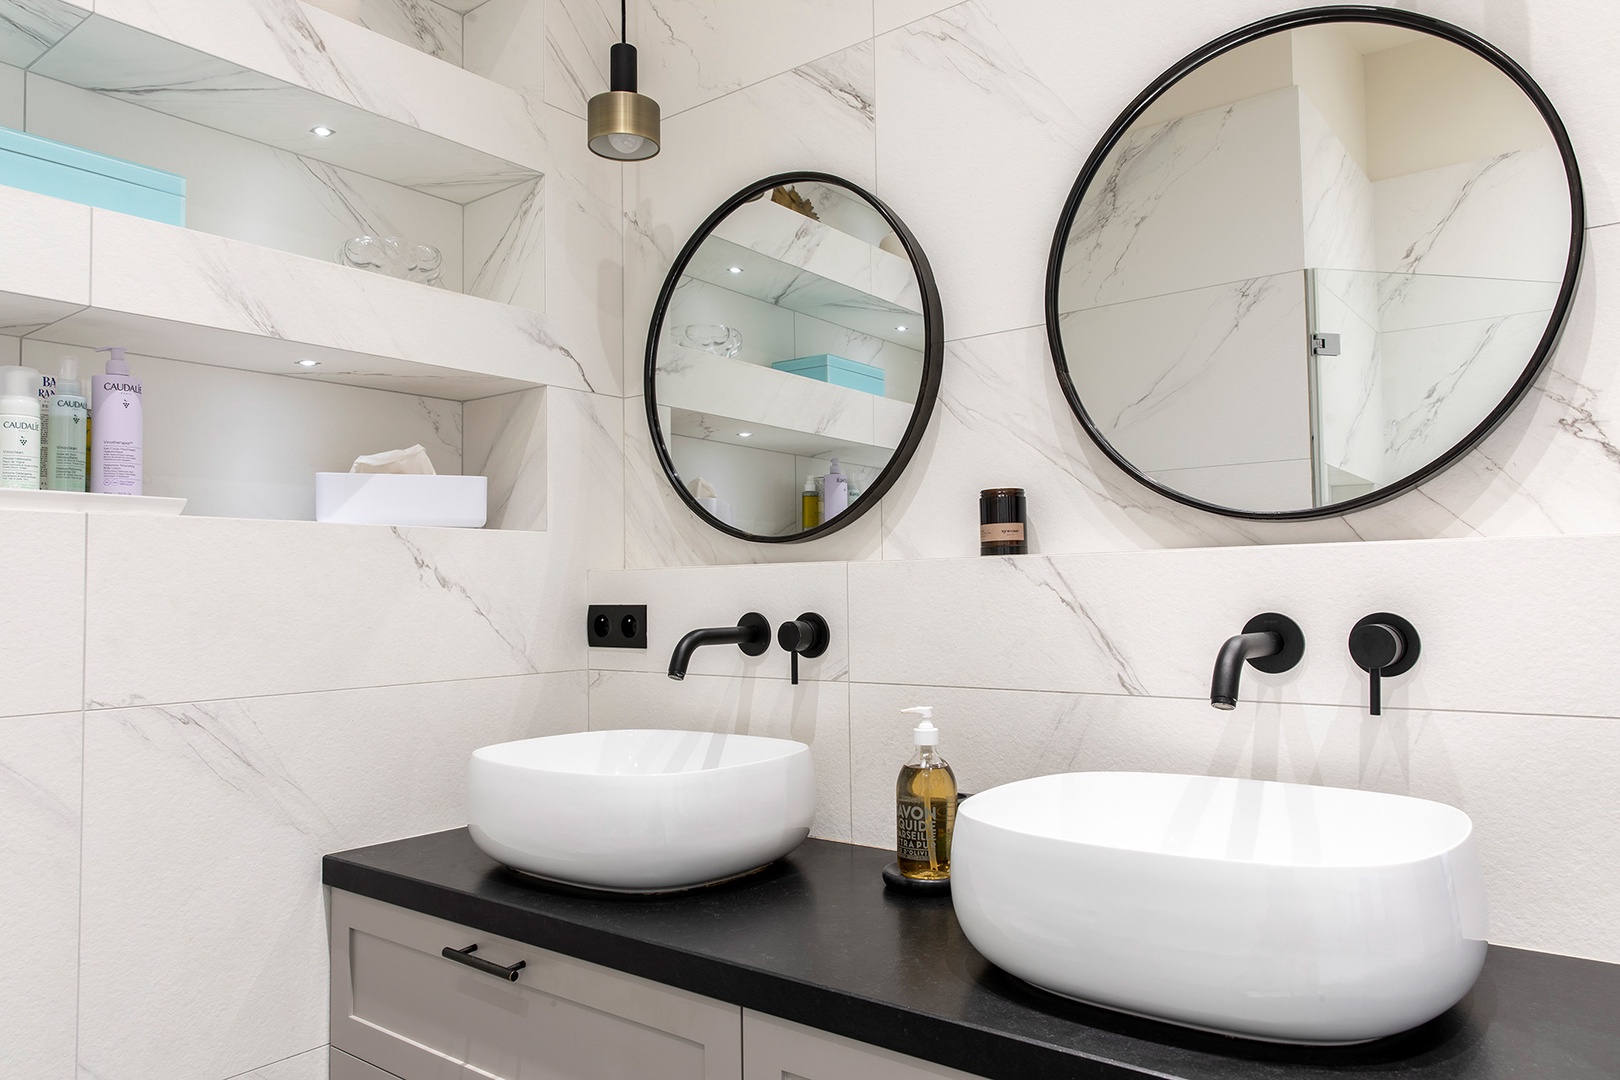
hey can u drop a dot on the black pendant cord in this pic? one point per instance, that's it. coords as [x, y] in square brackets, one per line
[624, 21]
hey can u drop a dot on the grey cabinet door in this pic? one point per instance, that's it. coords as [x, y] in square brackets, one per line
[400, 1005]
[781, 1050]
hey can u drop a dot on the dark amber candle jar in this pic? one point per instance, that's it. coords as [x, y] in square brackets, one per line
[1002, 530]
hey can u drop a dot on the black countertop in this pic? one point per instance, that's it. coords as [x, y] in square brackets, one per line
[816, 939]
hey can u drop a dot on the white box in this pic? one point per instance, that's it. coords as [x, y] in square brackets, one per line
[460, 502]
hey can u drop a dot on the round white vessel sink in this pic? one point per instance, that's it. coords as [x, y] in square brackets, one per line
[1272, 911]
[640, 811]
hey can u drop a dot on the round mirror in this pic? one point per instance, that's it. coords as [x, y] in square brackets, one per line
[793, 359]
[1315, 263]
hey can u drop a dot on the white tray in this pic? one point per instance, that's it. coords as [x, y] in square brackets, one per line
[395, 499]
[87, 502]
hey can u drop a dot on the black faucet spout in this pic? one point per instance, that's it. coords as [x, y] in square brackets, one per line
[1223, 688]
[752, 634]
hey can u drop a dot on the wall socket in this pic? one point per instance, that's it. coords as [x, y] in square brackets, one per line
[616, 626]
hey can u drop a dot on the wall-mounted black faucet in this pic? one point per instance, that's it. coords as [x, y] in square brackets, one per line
[1271, 642]
[805, 636]
[1383, 644]
[752, 635]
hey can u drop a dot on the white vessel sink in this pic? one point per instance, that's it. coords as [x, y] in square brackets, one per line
[1273, 911]
[640, 811]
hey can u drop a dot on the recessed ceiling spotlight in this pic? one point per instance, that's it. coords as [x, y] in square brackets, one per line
[902, 328]
[321, 131]
[744, 434]
[733, 269]
[309, 363]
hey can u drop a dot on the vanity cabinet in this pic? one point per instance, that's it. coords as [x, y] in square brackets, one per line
[401, 1006]
[780, 1050]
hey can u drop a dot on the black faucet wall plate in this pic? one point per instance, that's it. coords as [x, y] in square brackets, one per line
[1293, 642]
[616, 626]
[1383, 644]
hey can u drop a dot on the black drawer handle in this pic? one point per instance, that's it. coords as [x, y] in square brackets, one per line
[478, 963]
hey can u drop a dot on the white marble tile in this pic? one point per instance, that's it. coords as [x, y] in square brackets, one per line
[506, 42]
[421, 24]
[245, 190]
[29, 28]
[661, 531]
[187, 609]
[1149, 623]
[11, 96]
[1546, 889]
[241, 444]
[1337, 197]
[888, 14]
[815, 713]
[693, 51]
[42, 636]
[204, 828]
[704, 161]
[310, 1065]
[579, 39]
[505, 244]
[684, 599]
[55, 280]
[40, 765]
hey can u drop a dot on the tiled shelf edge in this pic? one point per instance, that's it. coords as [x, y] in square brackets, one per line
[81, 276]
[272, 70]
[89, 502]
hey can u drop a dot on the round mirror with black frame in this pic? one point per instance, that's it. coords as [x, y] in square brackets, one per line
[793, 359]
[1315, 263]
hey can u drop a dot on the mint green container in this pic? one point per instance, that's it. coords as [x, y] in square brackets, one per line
[827, 368]
[67, 172]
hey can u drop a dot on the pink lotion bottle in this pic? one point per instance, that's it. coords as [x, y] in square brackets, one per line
[115, 428]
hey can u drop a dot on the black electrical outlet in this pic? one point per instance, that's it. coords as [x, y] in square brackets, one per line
[616, 626]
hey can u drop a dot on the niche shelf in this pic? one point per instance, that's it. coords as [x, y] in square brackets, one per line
[399, 114]
[75, 275]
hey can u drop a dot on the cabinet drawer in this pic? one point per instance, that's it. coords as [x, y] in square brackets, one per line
[341, 1066]
[402, 1006]
[782, 1050]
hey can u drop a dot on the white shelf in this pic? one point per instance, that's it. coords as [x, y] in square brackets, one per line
[714, 397]
[88, 502]
[400, 115]
[81, 276]
[796, 262]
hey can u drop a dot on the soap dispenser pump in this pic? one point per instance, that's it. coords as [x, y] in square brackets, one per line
[925, 806]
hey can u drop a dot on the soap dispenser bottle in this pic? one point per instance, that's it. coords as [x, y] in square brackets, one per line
[116, 460]
[925, 806]
[834, 493]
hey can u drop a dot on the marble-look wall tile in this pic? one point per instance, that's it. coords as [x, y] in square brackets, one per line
[421, 24]
[204, 828]
[704, 161]
[682, 600]
[506, 43]
[42, 635]
[12, 80]
[505, 245]
[1546, 890]
[245, 445]
[189, 609]
[40, 764]
[57, 234]
[579, 37]
[693, 51]
[814, 713]
[246, 190]
[310, 1065]
[1337, 197]
[1149, 623]
[30, 28]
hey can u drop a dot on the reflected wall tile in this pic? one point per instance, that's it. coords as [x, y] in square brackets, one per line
[1547, 887]
[660, 530]
[205, 824]
[42, 635]
[693, 51]
[683, 599]
[712, 152]
[814, 713]
[40, 790]
[187, 609]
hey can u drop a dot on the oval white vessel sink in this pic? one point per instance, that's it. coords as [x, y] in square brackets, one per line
[640, 811]
[1272, 911]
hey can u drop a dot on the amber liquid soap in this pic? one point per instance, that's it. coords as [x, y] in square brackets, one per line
[925, 807]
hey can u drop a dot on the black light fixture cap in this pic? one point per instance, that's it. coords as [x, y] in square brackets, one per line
[622, 65]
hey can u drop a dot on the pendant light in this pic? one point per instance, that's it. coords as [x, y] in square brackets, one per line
[623, 125]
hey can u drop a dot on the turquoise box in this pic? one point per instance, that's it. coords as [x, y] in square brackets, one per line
[828, 368]
[67, 172]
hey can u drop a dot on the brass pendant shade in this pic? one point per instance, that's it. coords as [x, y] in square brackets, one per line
[622, 124]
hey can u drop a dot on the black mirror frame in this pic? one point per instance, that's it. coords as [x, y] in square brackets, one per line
[1275, 24]
[927, 394]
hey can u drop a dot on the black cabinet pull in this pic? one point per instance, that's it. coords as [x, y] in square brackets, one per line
[478, 963]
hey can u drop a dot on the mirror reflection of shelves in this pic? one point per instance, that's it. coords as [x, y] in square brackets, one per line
[212, 91]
